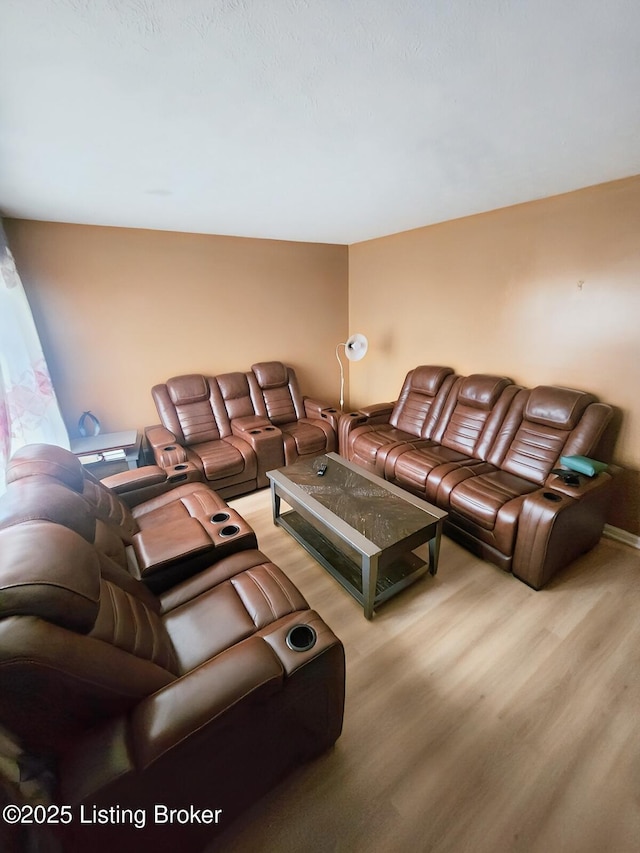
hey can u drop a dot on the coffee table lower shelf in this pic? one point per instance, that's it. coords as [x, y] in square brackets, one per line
[347, 570]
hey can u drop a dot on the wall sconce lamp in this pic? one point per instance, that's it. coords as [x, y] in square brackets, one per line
[355, 348]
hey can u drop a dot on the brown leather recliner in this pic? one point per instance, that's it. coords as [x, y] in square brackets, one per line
[196, 431]
[368, 435]
[161, 540]
[201, 698]
[464, 432]
[512, 509]
[306, 429]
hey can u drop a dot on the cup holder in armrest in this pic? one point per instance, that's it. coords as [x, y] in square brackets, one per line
[219, 517]
[269, 429]
[177, 478]
[551, 496]
[182, 467]
[301, 638]
[255, 431]
[169, 447]
[229, 530]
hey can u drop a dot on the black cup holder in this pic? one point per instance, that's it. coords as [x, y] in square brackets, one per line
[255, 431]
[229, 530]
[181, 467]
[301, 638]
[551, 496]
[219, 517]
[269, 429]
[169, 447]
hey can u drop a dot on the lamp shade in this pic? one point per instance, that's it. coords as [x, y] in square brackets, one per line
[356, 347]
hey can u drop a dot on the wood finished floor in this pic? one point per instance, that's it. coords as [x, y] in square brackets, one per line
[481, 716]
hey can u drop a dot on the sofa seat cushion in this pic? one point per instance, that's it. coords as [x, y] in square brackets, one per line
[368, 441]
[303, 438]
[410, 467]
[220, 460]
[256, 594]
[481, 498]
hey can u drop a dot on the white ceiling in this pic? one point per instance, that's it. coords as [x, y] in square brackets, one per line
[322, 120]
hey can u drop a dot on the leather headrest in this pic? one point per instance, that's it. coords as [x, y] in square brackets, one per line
[192, 388]
[427, 379]
[49, 572]
[48, 460]
[233, 385]
[481, 390]
[561, 408]
[270, 374]
[31, 499]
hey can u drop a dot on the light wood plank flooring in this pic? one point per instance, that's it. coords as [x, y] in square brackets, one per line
[481, 716]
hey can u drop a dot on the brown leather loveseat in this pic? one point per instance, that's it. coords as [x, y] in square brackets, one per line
[230, 429]
[486, 451]
[198, 698]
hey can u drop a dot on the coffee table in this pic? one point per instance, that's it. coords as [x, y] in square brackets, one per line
[362, 529]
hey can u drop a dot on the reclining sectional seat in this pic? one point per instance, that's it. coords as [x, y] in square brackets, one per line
[489, 463]
[512, 510]
[230, 429]
[466, 427]
[160, 540]
[196, 435]
[204, 696]
[367, 436]
[308, 427]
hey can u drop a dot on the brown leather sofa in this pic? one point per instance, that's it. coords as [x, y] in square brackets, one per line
[230, 429]
[485, 450]
[201, 697]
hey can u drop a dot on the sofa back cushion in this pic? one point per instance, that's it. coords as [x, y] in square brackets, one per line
[473, 414]
[187, 408]
[276, 392]
[48, 482]
[75, 646]
[554, 421]
[46, 460]
[421, 399]
[236, 394]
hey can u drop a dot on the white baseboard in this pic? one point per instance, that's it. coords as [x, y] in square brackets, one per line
[620, 535]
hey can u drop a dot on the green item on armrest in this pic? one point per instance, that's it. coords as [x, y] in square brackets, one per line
[583, 465]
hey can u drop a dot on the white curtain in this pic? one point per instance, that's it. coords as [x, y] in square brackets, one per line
[29, 410]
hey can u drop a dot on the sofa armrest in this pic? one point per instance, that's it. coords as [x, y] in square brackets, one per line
[246, 425]
[348, 422]
[142, 484]
[138, 478]
[192, 703]
[166, 450]
[123, 748]
[555, 527]
[319, 410]
[584, 486]
[378, 413]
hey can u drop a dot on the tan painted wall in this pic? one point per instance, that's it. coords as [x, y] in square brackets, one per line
[546, 292]
[119, 310]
